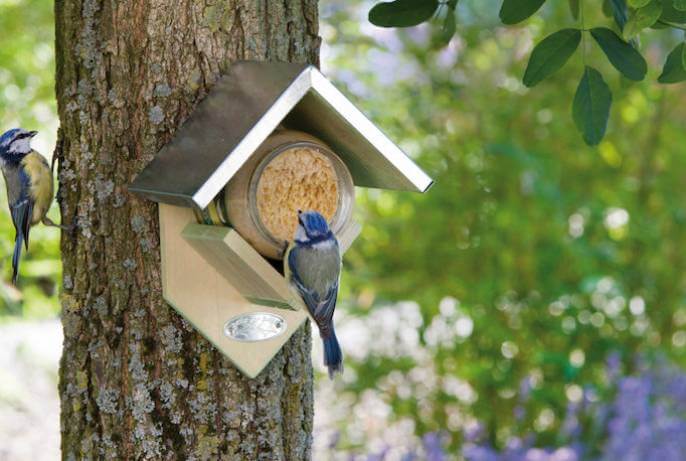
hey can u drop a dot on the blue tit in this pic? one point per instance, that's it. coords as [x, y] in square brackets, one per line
[29, 187]
[312, 264]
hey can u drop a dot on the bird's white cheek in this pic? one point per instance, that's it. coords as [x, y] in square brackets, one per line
[324, 245]
[21, 146]
[301, 235]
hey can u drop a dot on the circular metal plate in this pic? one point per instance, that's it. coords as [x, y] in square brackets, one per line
[255, 326]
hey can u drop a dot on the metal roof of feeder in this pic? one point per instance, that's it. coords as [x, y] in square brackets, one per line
[243, 108]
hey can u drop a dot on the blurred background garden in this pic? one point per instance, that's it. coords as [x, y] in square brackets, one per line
[531, 306]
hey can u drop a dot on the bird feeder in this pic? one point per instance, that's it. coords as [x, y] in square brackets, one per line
[269, 139]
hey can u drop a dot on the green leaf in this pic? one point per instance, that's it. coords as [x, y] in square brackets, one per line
[637, 3]
[591, 107]
[674, 70]
[671, 13]
[448, 27]
[618, 11]
[574, 8]
[623, 56]
[607, 8]
[642, 18]
[402, 13]
[679, 5]
[550, 55]
[683, 56]
[514, 11]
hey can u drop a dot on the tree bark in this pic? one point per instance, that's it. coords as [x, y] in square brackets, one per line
[136, 381]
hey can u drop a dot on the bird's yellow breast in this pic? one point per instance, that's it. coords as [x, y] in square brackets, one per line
[38, 170]
[286, 267]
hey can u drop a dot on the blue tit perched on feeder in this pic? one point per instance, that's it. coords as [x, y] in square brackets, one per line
[29, 187]
[313, 266]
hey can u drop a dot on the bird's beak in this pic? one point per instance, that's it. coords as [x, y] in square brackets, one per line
[33, 133]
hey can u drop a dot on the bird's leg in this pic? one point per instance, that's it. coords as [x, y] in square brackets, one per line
[65, 227]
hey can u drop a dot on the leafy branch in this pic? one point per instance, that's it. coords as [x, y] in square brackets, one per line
[593, 98]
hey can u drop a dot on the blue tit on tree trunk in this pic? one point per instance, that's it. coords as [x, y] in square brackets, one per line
[28, 178]
[313, 266]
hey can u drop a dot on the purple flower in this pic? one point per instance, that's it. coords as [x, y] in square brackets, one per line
[411, 456]
[519, 412]
[378, 456]
[474, 432]
[335, 438]
[645, 419]
[473, 452]
[525, 386]
[613, 365]
[648, 418]
[570, 425]
[433, 446]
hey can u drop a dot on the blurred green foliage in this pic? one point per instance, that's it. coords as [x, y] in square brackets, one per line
[593, 99]
[558, 252]
[27, 72]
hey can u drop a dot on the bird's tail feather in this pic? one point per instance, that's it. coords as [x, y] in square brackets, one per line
[333, 357]
[15, 258]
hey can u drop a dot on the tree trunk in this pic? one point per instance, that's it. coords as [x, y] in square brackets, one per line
[136, 381]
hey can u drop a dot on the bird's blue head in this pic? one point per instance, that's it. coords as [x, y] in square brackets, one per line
[16, 143]
[312, 227]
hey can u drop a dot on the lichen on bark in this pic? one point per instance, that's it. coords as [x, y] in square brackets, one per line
[136, 381]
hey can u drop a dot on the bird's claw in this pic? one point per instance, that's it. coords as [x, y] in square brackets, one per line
[68, 228]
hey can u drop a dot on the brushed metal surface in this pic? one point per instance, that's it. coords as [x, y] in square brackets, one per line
[255, 326]
[243, 108]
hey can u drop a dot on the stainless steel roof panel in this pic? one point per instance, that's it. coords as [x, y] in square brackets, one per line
[243, 108]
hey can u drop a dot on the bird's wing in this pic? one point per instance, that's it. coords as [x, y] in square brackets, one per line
[323, 314]
[315, 274]
[21, 206]
[308, 295]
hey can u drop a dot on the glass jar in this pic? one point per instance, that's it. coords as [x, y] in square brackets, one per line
[290, 171]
